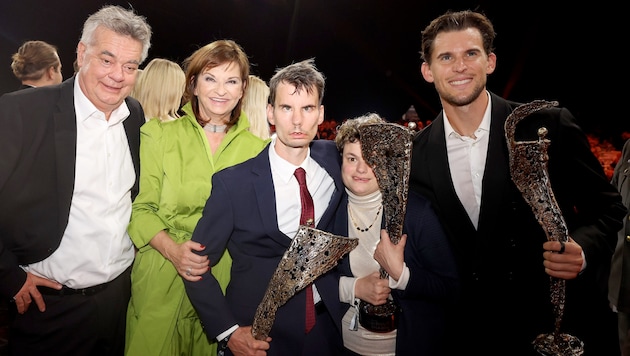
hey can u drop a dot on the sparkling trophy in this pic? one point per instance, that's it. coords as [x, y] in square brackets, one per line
[386, 148]
[528, 168]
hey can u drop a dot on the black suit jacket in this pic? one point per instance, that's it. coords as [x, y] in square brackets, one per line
[38, 136]
[505, 290]
[241, 214]
[620, 273]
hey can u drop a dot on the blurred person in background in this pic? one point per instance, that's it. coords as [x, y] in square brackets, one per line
[255, 106]
[160, 89]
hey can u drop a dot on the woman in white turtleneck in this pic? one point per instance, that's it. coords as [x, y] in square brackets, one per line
[422, 273]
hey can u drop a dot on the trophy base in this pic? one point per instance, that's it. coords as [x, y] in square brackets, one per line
[558, 344]
[379, 318]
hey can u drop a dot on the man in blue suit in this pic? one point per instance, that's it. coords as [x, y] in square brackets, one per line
[254, 210]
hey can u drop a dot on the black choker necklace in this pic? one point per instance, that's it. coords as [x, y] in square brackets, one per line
[369, 227]
[214, 128]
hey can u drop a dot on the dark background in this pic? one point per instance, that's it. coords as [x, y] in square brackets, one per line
[368, 49]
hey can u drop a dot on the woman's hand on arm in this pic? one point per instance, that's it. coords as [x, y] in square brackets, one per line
[188, 264]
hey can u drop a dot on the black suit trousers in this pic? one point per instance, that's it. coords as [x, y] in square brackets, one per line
[74, 325]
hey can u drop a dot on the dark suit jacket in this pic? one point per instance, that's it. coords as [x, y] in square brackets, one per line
[241, 214]
[505, 293]
[433, 283]
[620, 272]
[38, 136]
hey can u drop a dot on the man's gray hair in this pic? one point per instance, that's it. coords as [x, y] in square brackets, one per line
[123, 22]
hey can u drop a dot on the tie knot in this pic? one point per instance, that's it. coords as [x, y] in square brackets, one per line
[300, 175]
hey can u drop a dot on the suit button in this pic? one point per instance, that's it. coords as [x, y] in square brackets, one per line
[628, 238]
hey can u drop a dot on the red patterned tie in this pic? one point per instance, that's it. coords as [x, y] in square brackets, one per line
[307, 218]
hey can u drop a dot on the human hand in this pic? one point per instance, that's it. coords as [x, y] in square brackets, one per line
[242, 342]
[189, 265]
[372, 289]
[563, 261]
[29, 293]
[391, 256]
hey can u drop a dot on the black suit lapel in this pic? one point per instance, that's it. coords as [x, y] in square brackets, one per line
[132, 129]
[440, 175]
[65, 148]
[496, 180]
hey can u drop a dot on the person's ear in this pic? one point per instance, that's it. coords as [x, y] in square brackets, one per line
[492, 63]
[270, 119]
[51, 72]
[81, 47]
[425, 70]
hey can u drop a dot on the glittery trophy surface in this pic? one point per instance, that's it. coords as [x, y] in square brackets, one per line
[386, 148]
[312, 253]
[528, 167]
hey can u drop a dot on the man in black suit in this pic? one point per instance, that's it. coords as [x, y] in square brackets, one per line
[460, 162]
[618, 284]
[68, 174]
[254, 210]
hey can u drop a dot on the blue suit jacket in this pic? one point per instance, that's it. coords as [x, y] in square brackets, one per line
[433, 283]
[241, 215]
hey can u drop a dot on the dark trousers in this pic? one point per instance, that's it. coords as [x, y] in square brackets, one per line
[74, 324]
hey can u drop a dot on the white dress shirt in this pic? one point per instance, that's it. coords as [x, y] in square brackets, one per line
[95, 247]
[467, 162]
[288, 206]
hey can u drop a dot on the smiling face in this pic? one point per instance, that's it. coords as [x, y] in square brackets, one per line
[459, 66]
[109, 68]
[356, 174]
[296, 116]
[218, 90]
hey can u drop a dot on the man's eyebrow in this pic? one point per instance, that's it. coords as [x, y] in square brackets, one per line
[108, 53]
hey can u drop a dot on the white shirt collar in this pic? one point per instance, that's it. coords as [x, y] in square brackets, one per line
[484, 126]
[283, 168]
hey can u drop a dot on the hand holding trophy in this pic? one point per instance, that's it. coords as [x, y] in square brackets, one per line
[528, 167]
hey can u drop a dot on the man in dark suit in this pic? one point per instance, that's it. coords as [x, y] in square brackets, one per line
[618, 284]
[254, 210]
[460, 162]
[68, 174]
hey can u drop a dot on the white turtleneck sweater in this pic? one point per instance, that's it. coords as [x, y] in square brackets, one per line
[363, 212]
